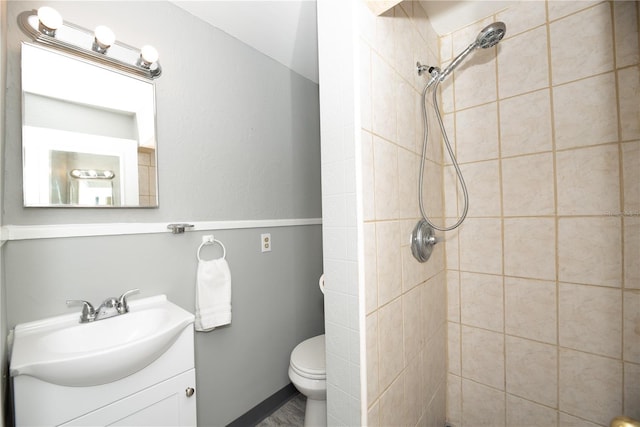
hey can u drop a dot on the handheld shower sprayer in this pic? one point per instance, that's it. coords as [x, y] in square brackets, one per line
[423, 238]
[488, 37]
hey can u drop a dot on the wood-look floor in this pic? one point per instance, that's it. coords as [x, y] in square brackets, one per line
[291, 414]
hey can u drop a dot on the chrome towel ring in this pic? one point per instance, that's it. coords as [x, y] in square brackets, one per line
[210, 240]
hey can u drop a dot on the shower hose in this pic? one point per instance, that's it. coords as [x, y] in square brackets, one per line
[435, 81]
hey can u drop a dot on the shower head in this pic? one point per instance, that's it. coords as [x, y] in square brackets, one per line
[491, 35]
[488, 37]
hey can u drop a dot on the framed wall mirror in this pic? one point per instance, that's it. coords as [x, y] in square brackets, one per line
[88, 133]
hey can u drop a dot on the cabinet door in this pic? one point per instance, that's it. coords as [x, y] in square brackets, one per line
[164, 404]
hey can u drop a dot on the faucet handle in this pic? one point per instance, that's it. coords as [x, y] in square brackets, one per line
[123, 305]
[88, 312]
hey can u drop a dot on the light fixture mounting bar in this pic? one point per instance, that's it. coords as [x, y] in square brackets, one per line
[78, 41]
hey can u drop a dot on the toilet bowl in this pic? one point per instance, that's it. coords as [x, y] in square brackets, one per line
[308, 374]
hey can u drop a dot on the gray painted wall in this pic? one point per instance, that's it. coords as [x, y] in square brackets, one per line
[238, 138]
[238, 133]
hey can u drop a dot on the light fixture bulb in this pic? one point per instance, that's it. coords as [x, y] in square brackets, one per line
[104, 36]
[50, 20]
[149, 55]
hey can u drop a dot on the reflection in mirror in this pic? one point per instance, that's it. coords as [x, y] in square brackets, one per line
[88, 134]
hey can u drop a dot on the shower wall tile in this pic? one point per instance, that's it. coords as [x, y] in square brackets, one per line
[482, 405]
[403, 41]
[453, 195]
[561, 236]
[370, 267]
[368, 180]
[384, 82]
[631, 176]
[588, 181]
[579, 50]
[408, 164]
[532, 370]
[435, 146]
[446, 48]
[406, 101]
[590, 251]
[631, 337]
[453, 295]
[391, 349]
[529, 248]
[631, 252]
[431, 191]
[454, 400]
[629, 88]
[452, 245]
[590, 319]
[434, 306]
[447, 97]
[464, 36]
[560, 9]
[412, 323]
[590, 386]
[523, 16]
[571, 421]
[385, 42]
[477, 133]
[631, 390]
[586, 112]
[393, 404]
[434, 363]
[413, 390]
[521, 412]
[523, 66]
[389, 261]
[385, 161]
[530, 309]
[475, 82]
[454, 359]
[483, 181]
[481, 301]
[483, 356]
[481, 245]
[365, 86]
[527, 185]
[525, 123]
[372, 357]
[625, 18]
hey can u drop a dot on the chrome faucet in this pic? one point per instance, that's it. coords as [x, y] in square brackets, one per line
[109, 308]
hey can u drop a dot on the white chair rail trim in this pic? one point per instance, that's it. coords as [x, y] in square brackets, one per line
[53, 231]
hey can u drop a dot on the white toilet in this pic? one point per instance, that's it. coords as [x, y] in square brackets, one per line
[308, 374]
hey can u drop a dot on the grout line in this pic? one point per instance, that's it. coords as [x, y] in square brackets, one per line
[621, 195]
[555, 207]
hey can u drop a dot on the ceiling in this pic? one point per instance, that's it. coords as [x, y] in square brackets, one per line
[286, 30]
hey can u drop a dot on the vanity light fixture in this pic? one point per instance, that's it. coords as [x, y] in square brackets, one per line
[49, 20]
[46, 26]
[148, 55]
[103, 40]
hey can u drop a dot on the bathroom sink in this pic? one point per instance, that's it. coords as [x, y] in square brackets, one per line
[61, 350]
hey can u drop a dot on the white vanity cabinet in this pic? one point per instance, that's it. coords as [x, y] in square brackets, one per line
[154, 396]
[165, 404]
[160, 392]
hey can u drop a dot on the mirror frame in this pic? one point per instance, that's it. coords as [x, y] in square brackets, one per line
[101, 69]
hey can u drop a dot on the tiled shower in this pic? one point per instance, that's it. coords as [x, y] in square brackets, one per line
[543, 277]
[529, 313]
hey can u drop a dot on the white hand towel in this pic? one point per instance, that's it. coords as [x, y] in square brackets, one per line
[213, 294]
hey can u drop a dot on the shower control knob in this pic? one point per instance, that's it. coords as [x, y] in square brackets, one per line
[190, 391]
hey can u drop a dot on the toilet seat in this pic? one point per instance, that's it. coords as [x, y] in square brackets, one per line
[308, 360]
